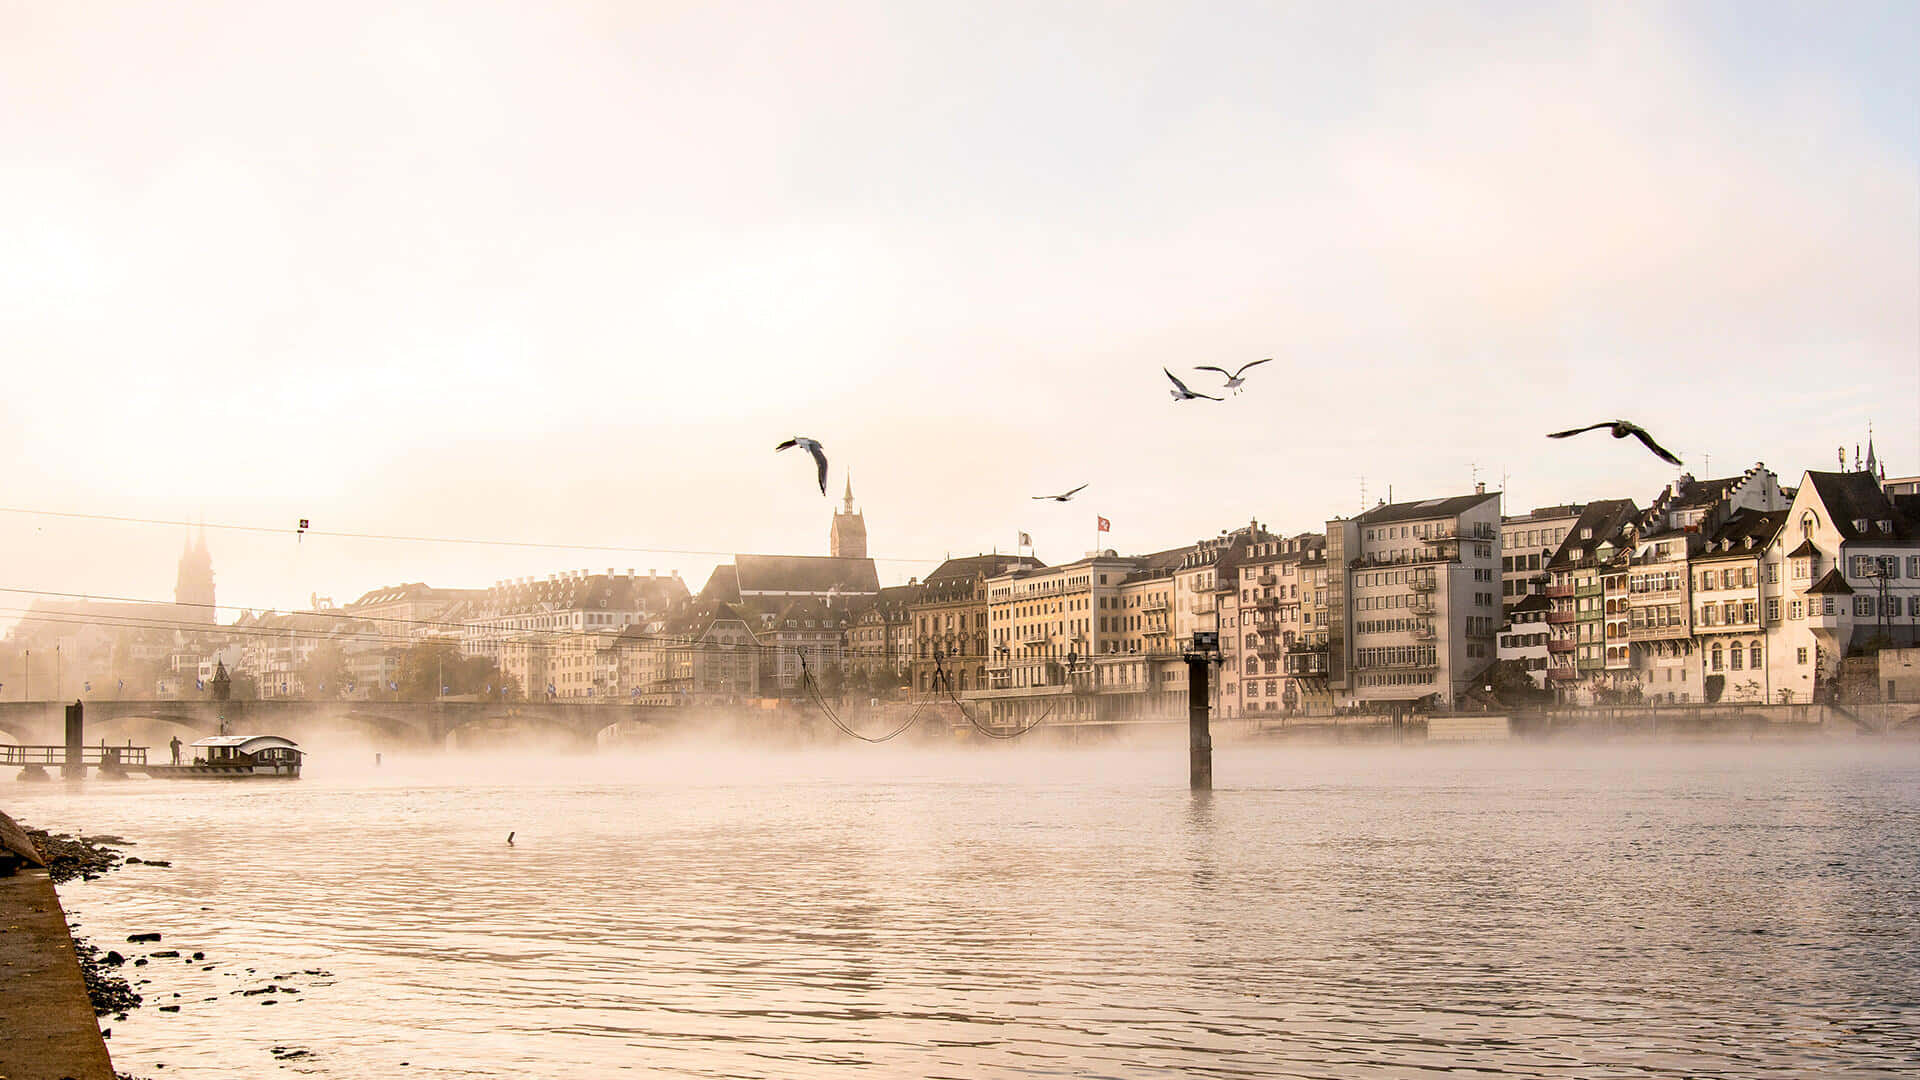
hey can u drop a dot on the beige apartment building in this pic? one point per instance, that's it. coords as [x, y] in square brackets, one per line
[1273, 634]
[1527, 545]
[948, 621]
[1413, 601]
[1729, 617]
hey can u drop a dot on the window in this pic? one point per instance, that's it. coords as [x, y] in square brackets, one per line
[1800, 654]
[1753, 656]
[1773, 610]
[1796, 609]
[1863, 605]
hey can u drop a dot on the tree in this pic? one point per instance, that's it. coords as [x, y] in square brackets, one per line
[427, 667]
[325, 672]
[1511, 684]
[1713, 686]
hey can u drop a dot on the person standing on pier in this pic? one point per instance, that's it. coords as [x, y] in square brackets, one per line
[175, 746]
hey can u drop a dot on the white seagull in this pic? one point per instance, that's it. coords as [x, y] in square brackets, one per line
[813, 447]
[1063, 496]
[1621, 429]
[1234, 380]
[1181, 393]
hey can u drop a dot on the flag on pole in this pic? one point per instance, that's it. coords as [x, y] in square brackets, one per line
[1105, 525]
[393, 685]
[636, 690]
[87, 685]
[1025, 540]
[122, 684]
[199, 684]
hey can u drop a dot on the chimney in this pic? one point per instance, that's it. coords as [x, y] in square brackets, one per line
[1480, 487]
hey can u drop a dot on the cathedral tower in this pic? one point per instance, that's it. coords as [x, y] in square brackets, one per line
[849, 537]
[193, 588]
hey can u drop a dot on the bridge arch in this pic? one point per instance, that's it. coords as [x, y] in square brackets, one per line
[504, 729]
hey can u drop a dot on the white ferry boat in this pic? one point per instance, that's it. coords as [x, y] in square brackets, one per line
[236, 757]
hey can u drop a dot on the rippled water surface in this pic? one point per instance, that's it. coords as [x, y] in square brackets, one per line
[1744, 911]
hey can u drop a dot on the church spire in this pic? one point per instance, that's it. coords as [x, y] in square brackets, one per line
[849, 500]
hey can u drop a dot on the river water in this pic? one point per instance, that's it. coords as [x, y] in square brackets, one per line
[1579, 911]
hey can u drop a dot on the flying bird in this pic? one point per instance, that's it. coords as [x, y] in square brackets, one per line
[1234, 380]
[811, 447]
[1063, 496]
[509, 839]
[1181, 393]
[1621, 429]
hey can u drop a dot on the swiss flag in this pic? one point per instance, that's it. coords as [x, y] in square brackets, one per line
[1105, 525]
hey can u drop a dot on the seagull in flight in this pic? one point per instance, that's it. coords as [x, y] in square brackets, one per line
[1063, 496]
[1181, 393]
[1621, 429]
[813, 447]
[1234, 380]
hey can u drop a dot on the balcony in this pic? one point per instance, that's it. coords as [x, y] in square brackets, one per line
[1658, 633]
[1587, 588]
[1557, 592]
[1035, 637]
[1562, 618]
[1421, 584]
[1267, 580]
[1267, 603]
[1421, 605]
[1562, 645]
[1422, 631]
[1560, 674]
[1268, 650]
[1305, 665]
[1152, 606]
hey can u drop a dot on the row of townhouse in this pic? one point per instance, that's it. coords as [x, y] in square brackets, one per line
[1734, 589]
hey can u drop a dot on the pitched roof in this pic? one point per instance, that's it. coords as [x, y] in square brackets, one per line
[1425, 509]
[1743, 535]
[1831, 583]
[1805, 549]
[1533, 602]
[616, 592]
[807, 574]
[1855, 497]
[966, 569]
[1606, 518]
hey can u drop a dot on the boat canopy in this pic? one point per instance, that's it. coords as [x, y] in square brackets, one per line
[249, 744]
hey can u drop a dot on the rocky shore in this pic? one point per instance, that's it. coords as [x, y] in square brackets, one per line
[114, 975]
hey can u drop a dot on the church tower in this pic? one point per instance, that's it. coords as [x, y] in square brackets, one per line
[849, 538]
[193, 588]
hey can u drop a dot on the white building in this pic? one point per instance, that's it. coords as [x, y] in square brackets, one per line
[1843, 572]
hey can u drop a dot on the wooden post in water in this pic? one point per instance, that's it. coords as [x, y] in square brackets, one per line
[1206, 646]
[1199, 733]
[75, 767]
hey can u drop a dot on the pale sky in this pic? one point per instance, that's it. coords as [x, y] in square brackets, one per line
[567, 272]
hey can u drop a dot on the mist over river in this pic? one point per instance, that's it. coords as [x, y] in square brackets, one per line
[1746, 910]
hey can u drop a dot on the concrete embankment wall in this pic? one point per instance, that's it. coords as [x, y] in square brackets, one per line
[47, 1027]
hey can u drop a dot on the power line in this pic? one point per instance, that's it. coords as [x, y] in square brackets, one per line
[468, 540]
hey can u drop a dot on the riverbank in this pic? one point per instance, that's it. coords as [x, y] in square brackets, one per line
[52, 1032]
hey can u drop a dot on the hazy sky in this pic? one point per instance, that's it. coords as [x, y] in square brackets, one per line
[567, 272]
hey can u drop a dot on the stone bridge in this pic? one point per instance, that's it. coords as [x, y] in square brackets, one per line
[395, 722]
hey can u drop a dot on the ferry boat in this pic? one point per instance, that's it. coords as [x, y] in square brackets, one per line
[236, 757]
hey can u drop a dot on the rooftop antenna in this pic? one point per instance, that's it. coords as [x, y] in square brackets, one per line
[1504, 477]
[1363, 494]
